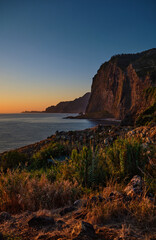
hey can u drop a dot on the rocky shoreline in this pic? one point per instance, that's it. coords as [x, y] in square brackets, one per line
[100, 134]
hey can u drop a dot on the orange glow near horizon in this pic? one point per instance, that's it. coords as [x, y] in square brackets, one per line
[34, 94]
[20, 105]
[13, 107]
[18, 102]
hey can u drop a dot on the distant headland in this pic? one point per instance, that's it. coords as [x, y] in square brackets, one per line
[77, 105]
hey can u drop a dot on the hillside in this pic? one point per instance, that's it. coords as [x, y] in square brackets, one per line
[76, 106]
[105, 189]
[124, 87]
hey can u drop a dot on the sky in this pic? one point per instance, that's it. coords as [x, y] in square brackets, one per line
[51, 49]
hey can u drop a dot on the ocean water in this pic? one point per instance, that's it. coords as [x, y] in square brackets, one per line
[18, 130]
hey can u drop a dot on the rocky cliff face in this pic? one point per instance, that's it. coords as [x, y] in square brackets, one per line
[76, 106]
[120, 85]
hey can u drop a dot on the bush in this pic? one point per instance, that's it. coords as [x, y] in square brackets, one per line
[146, 117]
[124, 158]
[78, 167]
[12, 160]
[54, 150]
[20, 191]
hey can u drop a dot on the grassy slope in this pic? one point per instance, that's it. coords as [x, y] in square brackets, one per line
[37, 185]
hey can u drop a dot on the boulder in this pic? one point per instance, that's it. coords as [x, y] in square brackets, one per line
[87, 232]
[40, 221]
[134, 187]
[87, 229]
[67, 210]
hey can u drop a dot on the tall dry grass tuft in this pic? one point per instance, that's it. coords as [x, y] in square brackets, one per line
[20, 191]
[105, 212]
[115, 207]
[143, 209]
[108, 209]
[112, 186]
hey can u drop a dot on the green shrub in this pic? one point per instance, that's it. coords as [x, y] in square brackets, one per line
[147, 117]
[12, 160]
[77, 167]
[54, 150]
[150, 92]
[124, 158]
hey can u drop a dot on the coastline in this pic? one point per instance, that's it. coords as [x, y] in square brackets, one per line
[76, 135]
[101, 134]
[27, 129]
[104, 120]
[19, 130]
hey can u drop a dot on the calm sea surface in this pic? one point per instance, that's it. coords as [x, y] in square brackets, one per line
[17, 130]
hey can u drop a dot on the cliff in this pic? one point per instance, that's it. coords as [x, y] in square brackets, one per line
[124, 86]
[76, 106]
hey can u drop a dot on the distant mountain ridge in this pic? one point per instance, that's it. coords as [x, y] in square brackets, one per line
[76, 106]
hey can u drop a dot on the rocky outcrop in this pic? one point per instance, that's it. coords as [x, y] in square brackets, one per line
[76, 106]
[124, 86]
[134, 187]
[41, 221]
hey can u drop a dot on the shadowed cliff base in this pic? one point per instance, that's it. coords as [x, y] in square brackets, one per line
[103, 118]
[93, 115]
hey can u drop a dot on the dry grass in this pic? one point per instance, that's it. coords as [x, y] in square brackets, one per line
[106, 211]
[143, 209]
[20, 192]
[125, 231]
[117, 208]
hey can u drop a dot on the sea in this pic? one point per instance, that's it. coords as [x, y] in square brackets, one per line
[18, 130]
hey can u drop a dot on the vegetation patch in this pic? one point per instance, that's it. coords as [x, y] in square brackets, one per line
[45, 157]
[150, 92]
[12, 160]
[89, 184]
[147, 117]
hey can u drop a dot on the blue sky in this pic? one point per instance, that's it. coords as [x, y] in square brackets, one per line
[51, 49]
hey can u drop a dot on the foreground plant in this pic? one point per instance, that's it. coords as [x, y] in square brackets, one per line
[19, 191]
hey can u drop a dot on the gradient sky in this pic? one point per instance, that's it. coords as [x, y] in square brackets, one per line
[51, 49]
